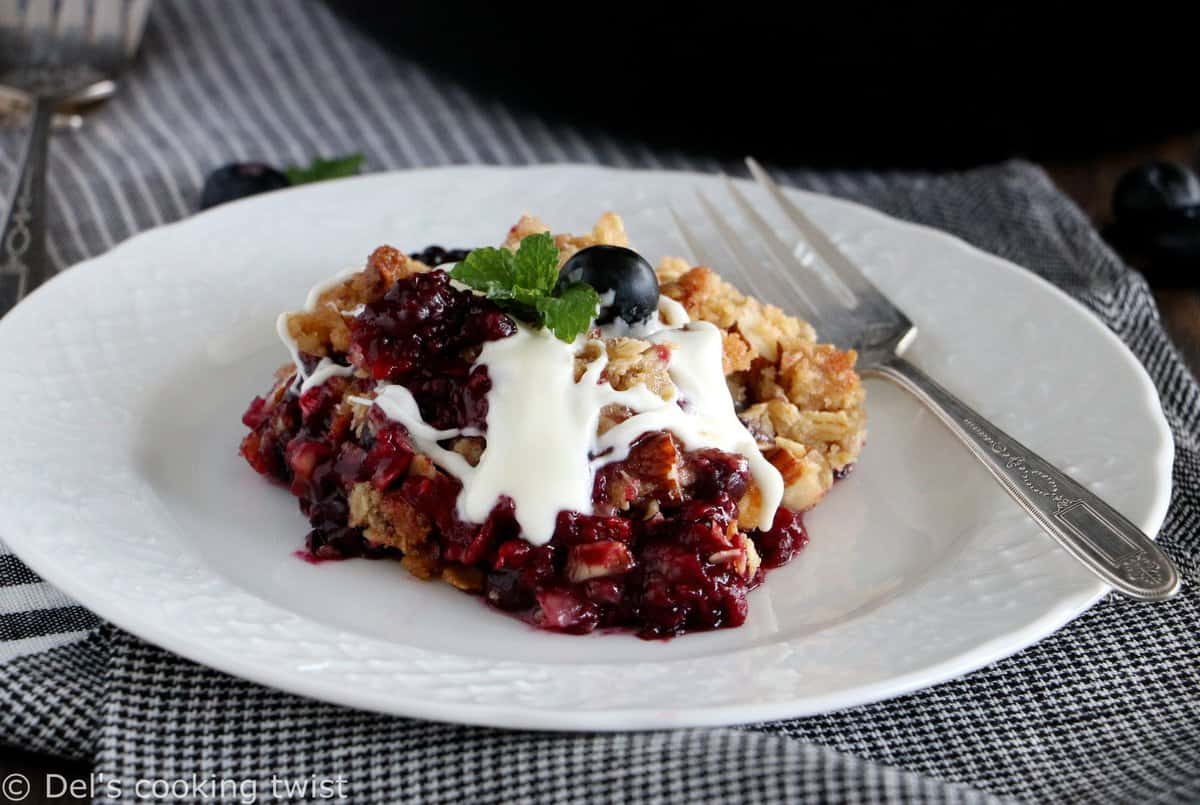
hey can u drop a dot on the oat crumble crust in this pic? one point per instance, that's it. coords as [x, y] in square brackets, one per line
[801, 399]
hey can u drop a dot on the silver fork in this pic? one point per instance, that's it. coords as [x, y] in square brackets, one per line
[1092, 531]
[53, 51]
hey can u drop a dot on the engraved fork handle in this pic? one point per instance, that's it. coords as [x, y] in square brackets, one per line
[23, 261]
[1091, 530]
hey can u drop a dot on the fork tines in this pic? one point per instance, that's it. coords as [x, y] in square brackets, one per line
[840, 300]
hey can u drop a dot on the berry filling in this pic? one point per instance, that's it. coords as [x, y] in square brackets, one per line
[662, 554]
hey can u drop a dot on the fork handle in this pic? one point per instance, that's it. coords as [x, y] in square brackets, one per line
[1092, 531]
[23, 261]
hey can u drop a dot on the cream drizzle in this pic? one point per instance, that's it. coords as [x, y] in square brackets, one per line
[324, 369]
[542, 447]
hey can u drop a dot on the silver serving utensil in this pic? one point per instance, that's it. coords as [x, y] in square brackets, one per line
[860, 316]
[15, 106]
[54, 52]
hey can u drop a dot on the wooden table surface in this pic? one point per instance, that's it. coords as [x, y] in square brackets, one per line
[1089, 181]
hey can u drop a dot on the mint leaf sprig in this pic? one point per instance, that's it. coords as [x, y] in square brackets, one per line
[523, 283]
[321, 169]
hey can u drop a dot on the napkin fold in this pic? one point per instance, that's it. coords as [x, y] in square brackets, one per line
[1107, 709]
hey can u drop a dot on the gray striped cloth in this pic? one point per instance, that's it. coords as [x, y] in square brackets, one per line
[1108, 709]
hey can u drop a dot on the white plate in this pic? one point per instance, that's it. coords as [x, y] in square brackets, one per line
[124, 380]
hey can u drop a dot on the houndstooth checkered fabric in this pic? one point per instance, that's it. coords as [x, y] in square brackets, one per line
[1107, 709]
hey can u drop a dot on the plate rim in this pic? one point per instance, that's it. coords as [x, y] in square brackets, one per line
[1066, 609]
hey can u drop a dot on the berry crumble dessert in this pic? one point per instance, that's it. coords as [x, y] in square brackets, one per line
[582, 440]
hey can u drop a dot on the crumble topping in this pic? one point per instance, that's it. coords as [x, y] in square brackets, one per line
[631, 362]
[608, 231]
[801, 401]
[324, 330]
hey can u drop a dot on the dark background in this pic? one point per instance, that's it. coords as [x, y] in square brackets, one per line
[875, 86]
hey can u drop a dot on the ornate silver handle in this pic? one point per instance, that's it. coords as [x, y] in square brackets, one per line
[1094, 532]
[23, 261]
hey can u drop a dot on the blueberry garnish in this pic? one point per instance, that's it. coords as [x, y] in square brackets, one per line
[618, 271]
[1151, 190]
[1156, 208]
[239, 180]
[1176, 243]
[434, 256]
